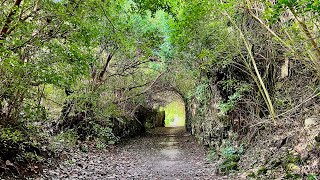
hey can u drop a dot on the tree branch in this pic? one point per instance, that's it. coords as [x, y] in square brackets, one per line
[5, 28]
[143, 92]
[105, 68]
[3, 2]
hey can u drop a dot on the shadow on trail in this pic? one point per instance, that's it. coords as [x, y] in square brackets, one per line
[168, 131]
[171, 153]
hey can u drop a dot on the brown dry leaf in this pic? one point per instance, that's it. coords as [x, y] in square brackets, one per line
[315, 163]
[300, 148]
[150, 157]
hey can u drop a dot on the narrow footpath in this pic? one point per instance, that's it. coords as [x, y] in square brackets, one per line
[165, 153]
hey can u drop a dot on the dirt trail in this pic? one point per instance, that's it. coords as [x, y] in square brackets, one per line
[165, 153]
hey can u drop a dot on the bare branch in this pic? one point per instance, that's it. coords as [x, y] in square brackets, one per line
[105, 68]
[143, 92]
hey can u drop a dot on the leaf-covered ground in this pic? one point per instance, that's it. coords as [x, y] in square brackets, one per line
[167, 153]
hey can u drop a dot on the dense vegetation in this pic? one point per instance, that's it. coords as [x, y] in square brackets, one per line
[74, 70]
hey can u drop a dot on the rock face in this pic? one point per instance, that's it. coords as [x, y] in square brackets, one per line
[208, 132]
[208, 129]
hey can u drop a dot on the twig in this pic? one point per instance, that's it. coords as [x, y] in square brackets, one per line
[251, 56]
[268, 28]
[53, 101]
[299, 105]
[105, 14]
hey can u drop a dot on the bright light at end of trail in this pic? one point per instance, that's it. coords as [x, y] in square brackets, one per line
[175, 114]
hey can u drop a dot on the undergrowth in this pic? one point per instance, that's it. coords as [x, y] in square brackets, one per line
[228, 155]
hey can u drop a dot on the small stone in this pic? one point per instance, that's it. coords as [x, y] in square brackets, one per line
[312, 121]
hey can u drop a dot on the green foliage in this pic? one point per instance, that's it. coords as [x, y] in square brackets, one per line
[21, 146]
[34, 113]
[231, 157]
[88, 63]
[201, 92]
[84, 148]
[100, 144]
[262, 170]
[240, 89]
[33, 157]
[312, 177]
[11, 138]
[293, 176]
[154, 6]
[103, 135]
[64, 140]
[228, 166]
[212, 155]
[9, 134]
[229, 154]
[300, 6]
[291, 165]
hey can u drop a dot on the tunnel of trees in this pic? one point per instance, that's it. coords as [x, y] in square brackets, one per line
[239, 72]
[169, 108]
